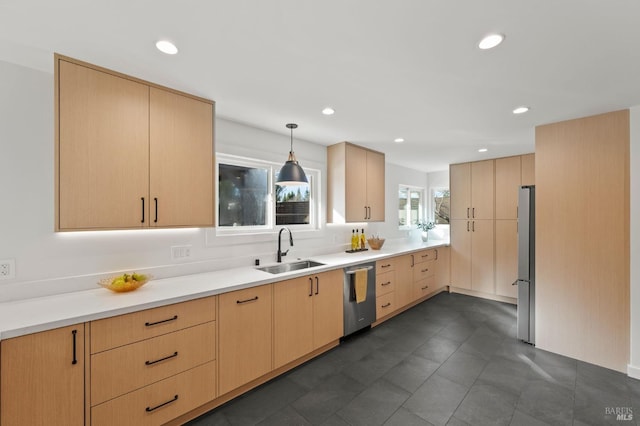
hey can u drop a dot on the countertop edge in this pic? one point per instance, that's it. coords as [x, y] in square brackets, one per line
[22, 317]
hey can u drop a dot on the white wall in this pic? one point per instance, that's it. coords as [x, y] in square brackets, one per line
[50, 263]
[634, 192]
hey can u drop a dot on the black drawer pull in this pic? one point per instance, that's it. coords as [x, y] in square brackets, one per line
[142, 198]
[386, 305]
[150, 409]
[156, 218]
[425, 255]
[425, 270]
[149, 324]
[386, 266]
[247, 300]
[75, 359]
[310, 286]
[424, 288]
[175, 354]
[387, 283]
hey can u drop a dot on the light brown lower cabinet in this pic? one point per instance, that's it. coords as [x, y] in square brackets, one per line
[307, 315]
[245, 336]
[42, 378]
[160, 402]
[410, 277]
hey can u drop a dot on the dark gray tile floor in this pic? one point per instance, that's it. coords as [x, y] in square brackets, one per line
[452, 360]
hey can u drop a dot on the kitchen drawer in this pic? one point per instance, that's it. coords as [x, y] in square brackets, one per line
[160, 402]
[425, 255]
[121, 330]
[424, 270]
[385, 304]
[385, 283]
[131, 367]
[424, 287]
[385, 265]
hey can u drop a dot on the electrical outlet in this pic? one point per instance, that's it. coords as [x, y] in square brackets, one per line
[180, 252]
[7, 269]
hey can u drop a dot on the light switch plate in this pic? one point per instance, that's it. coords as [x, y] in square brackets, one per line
[180, 252]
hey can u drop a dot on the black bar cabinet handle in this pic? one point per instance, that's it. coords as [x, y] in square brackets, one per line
[317, 285]
[384, 284]
[149, 324]
[412, 261]
[425, 270]
[310, 286]
[425, 287]
[365, 212]
[385, 266]
[155, 200]
[467, 226]
[467, 212]
[150, 409]
[473, 213]
[175, 354]
[436, 254]
[386, 305]
[75, 359]
[473, 226]
[142, 198]
[246, 300]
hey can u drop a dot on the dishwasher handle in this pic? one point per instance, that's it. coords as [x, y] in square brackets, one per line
[366, 268]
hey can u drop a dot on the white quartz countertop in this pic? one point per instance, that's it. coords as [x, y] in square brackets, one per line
[27, 316]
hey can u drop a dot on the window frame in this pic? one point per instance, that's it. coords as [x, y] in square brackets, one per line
[270, 227]
[432, 204]
[421, 206]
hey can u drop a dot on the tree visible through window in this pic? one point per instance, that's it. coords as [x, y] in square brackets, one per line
[409, 205]
[441, 204]
[292, 205]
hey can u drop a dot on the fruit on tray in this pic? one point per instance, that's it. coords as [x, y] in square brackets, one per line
[124, 282]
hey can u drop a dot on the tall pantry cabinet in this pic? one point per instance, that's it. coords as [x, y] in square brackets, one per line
[484, 240]
[472, 227]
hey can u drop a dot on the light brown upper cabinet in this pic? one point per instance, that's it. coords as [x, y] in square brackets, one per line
[129, 154]
[508, 171]
[472, 184]
[355, 184]
[528, 169]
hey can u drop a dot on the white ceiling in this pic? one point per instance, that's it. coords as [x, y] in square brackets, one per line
[404, 68]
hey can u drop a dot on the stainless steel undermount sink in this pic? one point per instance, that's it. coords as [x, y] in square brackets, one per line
[288, 267]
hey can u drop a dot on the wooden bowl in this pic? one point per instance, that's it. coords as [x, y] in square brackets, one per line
[376, 243]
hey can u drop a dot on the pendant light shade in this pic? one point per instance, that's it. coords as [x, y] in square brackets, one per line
[291, 173]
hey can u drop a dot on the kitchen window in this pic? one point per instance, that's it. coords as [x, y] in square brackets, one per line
[410, 206]
[441, 204]
[249, 200]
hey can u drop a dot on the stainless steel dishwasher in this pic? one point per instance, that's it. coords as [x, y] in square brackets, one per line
[359, 315]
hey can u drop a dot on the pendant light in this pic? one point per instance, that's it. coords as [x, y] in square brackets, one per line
[291, 173]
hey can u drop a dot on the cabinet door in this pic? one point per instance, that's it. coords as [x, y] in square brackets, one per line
[507, 185]
[404, 279]
[40, 384]
[356, 183]
[482, 189]
[292, 319]
[461, 253]
[375, 186]
[181, 160]
[528, 169]
[245, 336]
[443, 264]
[103, 150]
[482, 258]
[460, 188]
[328, 324]
[506, 257]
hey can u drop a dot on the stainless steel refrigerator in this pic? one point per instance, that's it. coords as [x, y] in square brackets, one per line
[526, 281]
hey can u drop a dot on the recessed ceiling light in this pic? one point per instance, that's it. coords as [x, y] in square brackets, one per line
[398, 140]
[328, 111]
[483, 150]
[521, 110]
[167, 47]
[491, 41]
